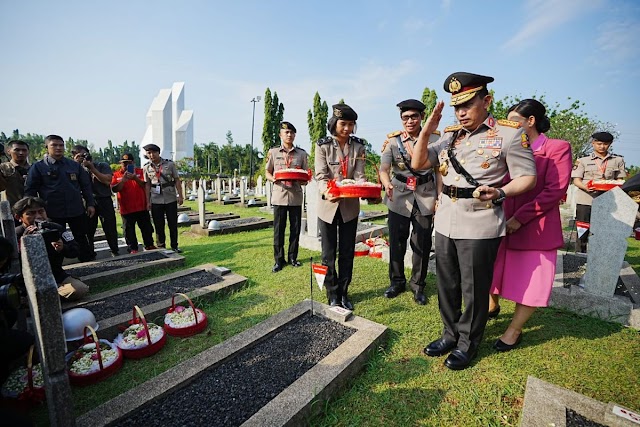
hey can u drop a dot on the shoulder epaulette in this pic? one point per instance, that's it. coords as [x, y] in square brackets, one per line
[325, 140]
[452, 128]
[394, 134]
[300, 148]
[436, 132]
[356, 139]
[510, 123]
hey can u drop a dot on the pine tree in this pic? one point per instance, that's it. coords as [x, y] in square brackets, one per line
[429, 99]
[317, 122]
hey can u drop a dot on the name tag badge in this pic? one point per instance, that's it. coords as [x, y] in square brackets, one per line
[411, 183]
[334, 163]
[73, 177]
[156, 189]
[495, 143]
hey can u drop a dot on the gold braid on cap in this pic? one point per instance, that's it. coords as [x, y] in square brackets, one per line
[454, 85]
[337, 113]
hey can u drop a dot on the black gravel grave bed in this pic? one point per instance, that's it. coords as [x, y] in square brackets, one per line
[576, 420]
[240, 222]
[573, 272]
[115, 304]
[113, 264]
[230, 393]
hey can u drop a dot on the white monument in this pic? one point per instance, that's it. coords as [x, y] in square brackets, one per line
[169, 125]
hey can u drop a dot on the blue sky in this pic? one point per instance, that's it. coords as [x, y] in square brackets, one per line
[90, 70]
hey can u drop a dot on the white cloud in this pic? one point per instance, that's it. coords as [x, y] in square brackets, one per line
[542, 16]
[618, 40]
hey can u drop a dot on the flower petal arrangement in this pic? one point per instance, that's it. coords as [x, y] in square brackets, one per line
[18, 381]
[135, 336]
[84, 361]
[183, 321]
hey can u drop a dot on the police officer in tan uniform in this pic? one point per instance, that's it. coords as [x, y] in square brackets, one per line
[162, 184]
[339, 156]
[410, 196]
[286, 196]
[598, 165]
[474, 158]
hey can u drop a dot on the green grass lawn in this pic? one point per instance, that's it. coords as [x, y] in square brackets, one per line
[400, 386]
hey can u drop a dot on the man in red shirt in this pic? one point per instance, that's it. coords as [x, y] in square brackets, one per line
[128, 184]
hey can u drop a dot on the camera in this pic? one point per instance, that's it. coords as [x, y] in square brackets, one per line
[86, 156]
[50, 231]
[11, 290]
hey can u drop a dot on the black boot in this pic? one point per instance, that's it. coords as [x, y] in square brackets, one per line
[345, 298]
[333, 298]
[418, 296]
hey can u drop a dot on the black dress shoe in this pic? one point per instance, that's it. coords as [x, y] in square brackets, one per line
[459, 359]
[346, 303]
[439, 347]
[494, 313]
[334, 302]
[419, 298]
[277, 267]
[295, 263]
[502, 346]
[393, 291]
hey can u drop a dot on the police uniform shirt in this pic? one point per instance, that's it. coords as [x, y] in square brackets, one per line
[287, 193]
[164, 176]
[403, 199]
[593, 167]
[12, 179]
[329, 160]
[494, 149]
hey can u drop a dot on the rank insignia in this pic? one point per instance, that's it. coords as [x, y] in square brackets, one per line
[525, 141]
[491, 133]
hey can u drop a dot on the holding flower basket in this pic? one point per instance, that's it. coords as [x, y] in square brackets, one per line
[94, 361]
[182, 321]
[141, 339]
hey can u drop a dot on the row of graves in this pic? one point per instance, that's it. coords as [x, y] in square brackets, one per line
[276, 372]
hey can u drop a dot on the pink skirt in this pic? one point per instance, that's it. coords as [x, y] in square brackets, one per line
[525, 277]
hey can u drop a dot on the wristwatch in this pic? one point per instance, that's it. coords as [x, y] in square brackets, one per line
[500, 198]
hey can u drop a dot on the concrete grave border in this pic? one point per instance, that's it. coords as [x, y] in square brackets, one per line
[208, 216]
[109, 327]
[132, 271]
[262, 223]
[545, 404]
[294, 405]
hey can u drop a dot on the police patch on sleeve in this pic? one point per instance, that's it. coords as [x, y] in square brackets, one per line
[67, 236]
[576, 164]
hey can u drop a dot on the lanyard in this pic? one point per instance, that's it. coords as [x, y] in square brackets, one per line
[158, 170]
[603, 166]
[344, 165]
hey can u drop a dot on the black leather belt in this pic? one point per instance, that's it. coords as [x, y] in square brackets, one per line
[457, 192]
[423, 179]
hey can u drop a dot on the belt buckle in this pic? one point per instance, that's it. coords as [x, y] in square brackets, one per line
[453, 193]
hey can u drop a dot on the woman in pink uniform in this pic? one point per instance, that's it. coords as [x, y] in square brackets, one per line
[526, 262]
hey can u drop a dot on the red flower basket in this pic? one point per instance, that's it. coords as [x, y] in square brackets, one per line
[31, 395]
[186, 331]
[293, 175]
[150, 348]
[364, 191]
[104, 372]
[602, 186]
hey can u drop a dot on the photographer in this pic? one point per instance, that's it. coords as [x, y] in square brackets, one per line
[101, 175]
[60, 244]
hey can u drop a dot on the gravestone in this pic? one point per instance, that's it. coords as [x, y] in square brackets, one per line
[201, 209]
[219, 188]
[194, 186]
[46, 314]
[243, 189]
[231, 187]
[184, 188]
[259, 186]
[612, 218]
[312, 207]
[268, 191]
[203, 184]
[9, 232]
[233, 184]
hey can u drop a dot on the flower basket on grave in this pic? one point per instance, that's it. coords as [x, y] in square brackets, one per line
[26, 384]
[94, 361]
[184, 321]
[604, 184]
[141, 339]
[293, 175]
[361, 249]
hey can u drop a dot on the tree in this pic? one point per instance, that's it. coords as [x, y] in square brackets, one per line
[570, 123]
[273, 115]
[429, 99]
[372, 160]
[317, 122]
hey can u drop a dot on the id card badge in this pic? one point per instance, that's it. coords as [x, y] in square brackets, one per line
[156, 189]
[411, 183]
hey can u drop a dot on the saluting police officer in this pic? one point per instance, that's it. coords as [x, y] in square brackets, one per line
[410, 196]
[162, 185]
[286, 196]
[474, 156]
[598, 165]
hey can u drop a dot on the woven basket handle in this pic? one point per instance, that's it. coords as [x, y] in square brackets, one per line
[30, 368]
[193, 307]
[96, 342]
[136, 310]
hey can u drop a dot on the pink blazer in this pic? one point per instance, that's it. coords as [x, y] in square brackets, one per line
[538, 210]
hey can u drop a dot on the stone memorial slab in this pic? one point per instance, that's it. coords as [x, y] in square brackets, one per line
[234, 226]
[183, 184]
[201, 207]
[243, 190]
[219, 189]
[268, 190]
[612, 218]
[259, 186]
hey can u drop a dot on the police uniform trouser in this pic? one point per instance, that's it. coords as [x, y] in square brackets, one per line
[158, 212]
[79, 226]
[279, 227]
[464, 270]
[344, 234]
[107, 215]
[146, 229]
[583, 213]
[420, 245]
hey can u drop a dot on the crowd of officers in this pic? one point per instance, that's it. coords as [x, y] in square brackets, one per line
[465, 173]
[75, 192]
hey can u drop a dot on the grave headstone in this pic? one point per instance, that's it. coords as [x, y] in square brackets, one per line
[612, 218]
[268, 191]
[184, 188]
[44, 302]
[243, 190]
[259, 186]
[219, 188]
[201, 209]
[312, 206]
[194, 186]
[231, 187]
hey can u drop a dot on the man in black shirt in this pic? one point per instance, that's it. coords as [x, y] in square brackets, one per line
[14, 172]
